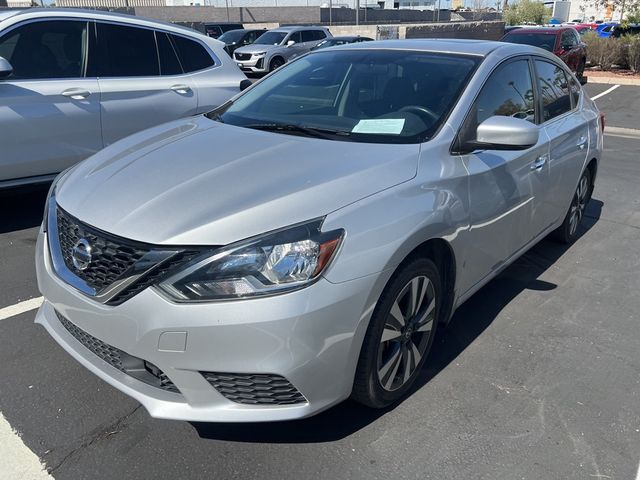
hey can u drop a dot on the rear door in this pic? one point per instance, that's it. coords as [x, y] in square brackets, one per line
[504, 186]
[141, 80]
[49, 108]
[568, 132]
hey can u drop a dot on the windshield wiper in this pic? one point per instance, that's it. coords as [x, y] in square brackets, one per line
[216, 112]
[295, 128]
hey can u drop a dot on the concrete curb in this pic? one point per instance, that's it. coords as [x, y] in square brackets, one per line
[612, 80]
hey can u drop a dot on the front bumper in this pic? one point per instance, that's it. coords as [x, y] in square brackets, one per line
[254, 65]
[311, 337]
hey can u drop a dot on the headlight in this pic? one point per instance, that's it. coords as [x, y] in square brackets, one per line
[259, 54]
[273, 263]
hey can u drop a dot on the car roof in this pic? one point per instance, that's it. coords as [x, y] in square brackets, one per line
[290, 28]
[544, 30]
[346, 37]
[440, 45]
[8, 13]
[99, 15]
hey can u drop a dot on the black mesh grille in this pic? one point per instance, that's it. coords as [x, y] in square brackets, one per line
[110, 259]
[243, 56]
[255, 389]
[133, 366]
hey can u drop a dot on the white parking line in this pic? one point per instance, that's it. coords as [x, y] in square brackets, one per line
[608, 90]
[18, 308]
[18, 462]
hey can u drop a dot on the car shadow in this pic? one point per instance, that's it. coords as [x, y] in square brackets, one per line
[22, 207]
[469, 321]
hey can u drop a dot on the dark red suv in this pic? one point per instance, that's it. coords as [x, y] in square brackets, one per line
[565, 42]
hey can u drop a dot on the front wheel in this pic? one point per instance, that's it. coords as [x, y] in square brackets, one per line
[400, 334]
[568, 231]
[275, 64]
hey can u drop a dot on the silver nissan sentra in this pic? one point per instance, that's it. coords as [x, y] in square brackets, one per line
[302, 243]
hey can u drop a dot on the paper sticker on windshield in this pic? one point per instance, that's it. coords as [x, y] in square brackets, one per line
[389, 126]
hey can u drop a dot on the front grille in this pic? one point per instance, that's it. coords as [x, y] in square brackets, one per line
[110, 258]
[255, 389]
[242, 56]
[136, 367]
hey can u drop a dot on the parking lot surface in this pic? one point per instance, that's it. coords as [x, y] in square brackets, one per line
[536, 377]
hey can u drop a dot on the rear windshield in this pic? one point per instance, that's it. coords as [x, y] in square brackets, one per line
[271, 38]
[386, 96]
[541, 40]
[231, 36]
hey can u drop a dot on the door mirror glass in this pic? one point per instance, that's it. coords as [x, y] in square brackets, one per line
[504, 133]
[5, 68]
[290, 42]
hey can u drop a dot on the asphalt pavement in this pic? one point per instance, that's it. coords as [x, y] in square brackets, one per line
[537, 376]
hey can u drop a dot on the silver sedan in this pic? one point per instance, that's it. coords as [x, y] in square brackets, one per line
[303, 243]
[73, 82]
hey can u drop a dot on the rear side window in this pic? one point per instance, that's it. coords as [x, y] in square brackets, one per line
[312, 35]
[51, 49]
[169, 63]
[128, 51]
[193, 56]
[553, 88]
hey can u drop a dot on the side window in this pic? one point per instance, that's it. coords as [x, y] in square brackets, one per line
[53, 49]
[567, 40]
[193, 56]
[575, 92]
[296, 37]
[308, 35]
[169, 63]
[553, 88]
[128, 51]
[252, 37]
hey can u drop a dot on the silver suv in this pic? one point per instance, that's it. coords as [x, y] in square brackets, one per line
[73, 82]
[275, 47]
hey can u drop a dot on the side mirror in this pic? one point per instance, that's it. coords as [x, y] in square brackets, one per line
[583, 80]
[5, 68]
[290, 42]
[503, 133]
[244, 84]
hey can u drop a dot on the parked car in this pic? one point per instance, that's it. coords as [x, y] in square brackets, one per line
[275, 47]
[304, 242]
[628, 29]
[215, 30]
[332, 42]
[66, 93]
[604, 29]
[565, 42]
[585, 27]
[234, 39]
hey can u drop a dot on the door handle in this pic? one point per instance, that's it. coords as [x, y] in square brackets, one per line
[539, 162]
[181, 89]
[582, 143]
[76, 93]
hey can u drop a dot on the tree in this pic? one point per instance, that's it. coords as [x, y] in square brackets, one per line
[527, 11]
[623, 6]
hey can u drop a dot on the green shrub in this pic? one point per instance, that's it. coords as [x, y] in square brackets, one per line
[605, 52]
[632, 51]
[526, 11]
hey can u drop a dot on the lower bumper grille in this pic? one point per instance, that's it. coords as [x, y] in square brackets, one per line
[135, 367]
[255, 389]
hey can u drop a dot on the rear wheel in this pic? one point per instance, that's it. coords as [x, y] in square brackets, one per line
[568, 231]
[580, 68]
[275, 64]
[400, 334]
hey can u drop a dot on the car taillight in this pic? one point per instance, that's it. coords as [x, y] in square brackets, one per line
[603, 118]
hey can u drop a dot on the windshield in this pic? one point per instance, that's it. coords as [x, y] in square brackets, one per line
[231, 36]
[386, 96]
[542, 40]
[271, 38]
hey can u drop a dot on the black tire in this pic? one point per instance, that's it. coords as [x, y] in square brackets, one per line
[377, 353]
[569, 230]
[276, 63]
[580, 69]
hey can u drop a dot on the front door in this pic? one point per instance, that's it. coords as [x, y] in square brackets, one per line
[49, 110]
[503, 191]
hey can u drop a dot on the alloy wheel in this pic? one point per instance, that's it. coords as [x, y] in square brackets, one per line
[406, 333]
[579, 205]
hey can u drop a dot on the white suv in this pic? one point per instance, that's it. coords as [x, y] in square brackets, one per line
[274, 48]
[73, 82]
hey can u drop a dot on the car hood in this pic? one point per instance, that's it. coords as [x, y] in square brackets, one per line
[256, 48]
[200, 182]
